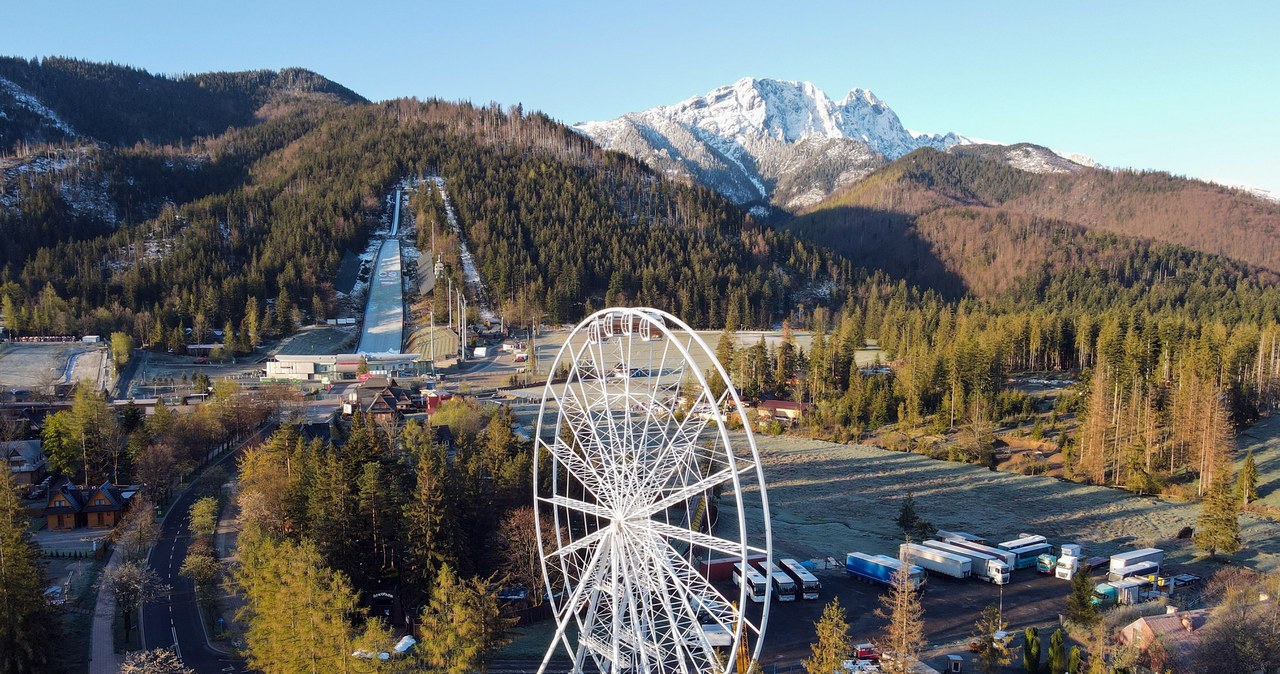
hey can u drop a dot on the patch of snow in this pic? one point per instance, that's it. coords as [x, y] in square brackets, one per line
[33, 104]
[1081, 159]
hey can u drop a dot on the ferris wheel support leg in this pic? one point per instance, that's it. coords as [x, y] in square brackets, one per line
[562, 621]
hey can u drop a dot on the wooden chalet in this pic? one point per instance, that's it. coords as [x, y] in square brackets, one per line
[73, 507]
[380, 398]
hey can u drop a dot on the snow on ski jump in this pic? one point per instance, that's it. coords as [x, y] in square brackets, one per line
[383, 330]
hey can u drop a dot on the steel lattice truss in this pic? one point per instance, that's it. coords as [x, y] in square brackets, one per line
[639, 453]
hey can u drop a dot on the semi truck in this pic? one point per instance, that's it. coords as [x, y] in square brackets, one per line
[982, 565]
[1068, 566]
[935, 560]
[1003, 555]
[1125, 559]
[807, 582]
[1048, 562]
[879, 569]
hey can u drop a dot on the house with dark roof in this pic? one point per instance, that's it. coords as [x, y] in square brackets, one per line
[26, 461]
[380, 398]
[73, 507]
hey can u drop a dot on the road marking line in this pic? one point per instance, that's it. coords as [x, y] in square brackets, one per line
[176, 649]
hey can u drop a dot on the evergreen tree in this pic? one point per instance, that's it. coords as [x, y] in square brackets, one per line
[430, 526]
[1031, 650]
[1079, 608]
[907, 517]
[833, 646]
[1057, 653]
[1247, 481]
[26, 624]
[464, 623]
[298, 611]
[904, 635]
[993, 643]
[1075, 663]
[1218, 528]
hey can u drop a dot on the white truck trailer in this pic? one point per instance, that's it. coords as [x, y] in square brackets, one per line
[962, 535]
[935, 560]
[1120, 562]
[982, 565]
[1003, 555]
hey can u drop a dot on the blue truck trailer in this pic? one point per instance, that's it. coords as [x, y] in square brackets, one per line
[879, 569]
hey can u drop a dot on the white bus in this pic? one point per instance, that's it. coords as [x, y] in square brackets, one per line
[1022, 541]
[757, 586]
[1026, 557]
[784, 587]
[808, 583]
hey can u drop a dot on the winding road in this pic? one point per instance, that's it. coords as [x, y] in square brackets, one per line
[176, 619]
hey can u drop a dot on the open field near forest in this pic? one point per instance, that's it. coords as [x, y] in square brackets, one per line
[1264, 439]
[34, 366]
[829, 499]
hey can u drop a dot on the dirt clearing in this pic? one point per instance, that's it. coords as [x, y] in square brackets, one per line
[35, 367]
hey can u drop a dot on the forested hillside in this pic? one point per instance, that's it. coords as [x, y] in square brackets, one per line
[966, 224]
[120, 105]
[207, 235]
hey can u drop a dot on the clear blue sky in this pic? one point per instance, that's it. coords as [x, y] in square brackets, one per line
[1187, 87]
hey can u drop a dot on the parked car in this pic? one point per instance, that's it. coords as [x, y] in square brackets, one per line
[202, 360]
[55, 596]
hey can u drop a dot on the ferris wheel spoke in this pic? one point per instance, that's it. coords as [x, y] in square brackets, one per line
[702, 540]
[690, 491]
[580, 506]
[581, 544]
[713, 603]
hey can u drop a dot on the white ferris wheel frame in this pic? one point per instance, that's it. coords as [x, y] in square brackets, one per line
[691, 645]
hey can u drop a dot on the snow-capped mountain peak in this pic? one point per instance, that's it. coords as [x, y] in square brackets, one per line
[761, 139]
[759, 108]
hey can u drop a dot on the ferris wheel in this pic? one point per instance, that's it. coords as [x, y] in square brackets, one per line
[640, 488]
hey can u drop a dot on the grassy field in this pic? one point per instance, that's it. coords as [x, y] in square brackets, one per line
[1264, 439]
[829, 499]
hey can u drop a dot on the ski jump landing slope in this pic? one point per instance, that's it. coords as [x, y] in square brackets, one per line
[383, 330]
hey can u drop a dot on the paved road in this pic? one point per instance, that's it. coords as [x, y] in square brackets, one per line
[177, 617]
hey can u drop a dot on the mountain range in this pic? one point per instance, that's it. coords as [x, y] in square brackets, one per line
[787, 144]
[148, 202]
